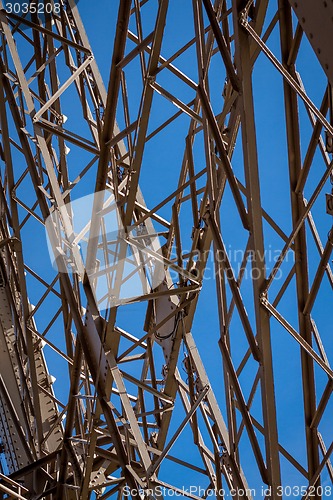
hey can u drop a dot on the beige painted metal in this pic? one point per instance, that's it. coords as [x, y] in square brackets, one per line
[139, 409]
[316, 22]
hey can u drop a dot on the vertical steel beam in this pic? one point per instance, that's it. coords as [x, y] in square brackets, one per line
[301, 264]
[244, 70]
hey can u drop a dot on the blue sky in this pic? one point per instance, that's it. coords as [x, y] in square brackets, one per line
[161, 166]
[165, 157]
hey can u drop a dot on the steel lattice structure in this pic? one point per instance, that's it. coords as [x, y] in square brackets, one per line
[139, 409]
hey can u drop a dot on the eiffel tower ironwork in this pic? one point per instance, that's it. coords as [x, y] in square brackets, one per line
[140, 411]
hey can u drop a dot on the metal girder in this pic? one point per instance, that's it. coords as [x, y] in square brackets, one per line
[316, 24]
[138, 406]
